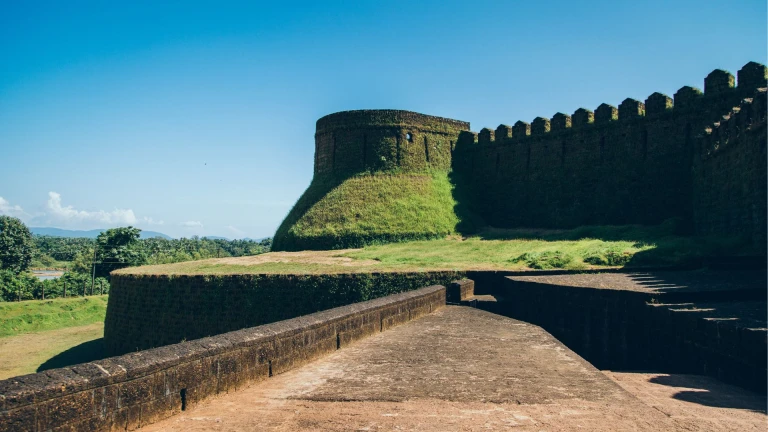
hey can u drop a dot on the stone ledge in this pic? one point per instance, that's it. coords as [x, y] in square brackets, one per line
[136, 389]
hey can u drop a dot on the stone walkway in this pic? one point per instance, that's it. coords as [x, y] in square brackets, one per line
[461, 369]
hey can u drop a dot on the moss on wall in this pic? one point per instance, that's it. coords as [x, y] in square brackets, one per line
[147, 311]
[380, 176]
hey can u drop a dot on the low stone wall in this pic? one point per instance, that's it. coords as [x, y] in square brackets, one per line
[460, 290]
[149, 311]
[674, 332]
[133, 390]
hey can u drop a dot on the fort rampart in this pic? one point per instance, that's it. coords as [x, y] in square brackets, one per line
[133, 390]
[677, 330]
[631, 164]
[147, 311]
[643, 162]
[729, 175]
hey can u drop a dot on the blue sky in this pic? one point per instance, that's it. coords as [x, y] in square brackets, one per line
[198, 117]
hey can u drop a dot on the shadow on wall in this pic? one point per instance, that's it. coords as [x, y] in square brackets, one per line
[470, 222]
[83, 353]
[710, 392]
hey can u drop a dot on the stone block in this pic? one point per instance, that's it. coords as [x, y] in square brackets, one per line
[460, 290]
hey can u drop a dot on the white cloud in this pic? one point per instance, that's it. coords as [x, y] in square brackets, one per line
[70, 214]
[192, 224]
[8, 210]
[149, 221]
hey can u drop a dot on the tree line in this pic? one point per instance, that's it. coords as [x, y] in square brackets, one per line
[88, 262]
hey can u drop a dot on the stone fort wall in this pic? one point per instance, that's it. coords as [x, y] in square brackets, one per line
[353, 142]
[631, 164]
[729, 174]
[136, 389]
[148, 311]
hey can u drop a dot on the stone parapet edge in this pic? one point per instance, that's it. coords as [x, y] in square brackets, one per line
[137, 389]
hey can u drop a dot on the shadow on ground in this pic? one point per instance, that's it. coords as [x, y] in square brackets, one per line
[83, 353]
[710, 392]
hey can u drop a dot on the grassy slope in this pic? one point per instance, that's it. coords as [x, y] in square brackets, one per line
[589, 247]
[42, 315]
[26, 353]
[368, 209]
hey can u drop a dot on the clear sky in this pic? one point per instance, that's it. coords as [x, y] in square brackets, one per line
[198, 117]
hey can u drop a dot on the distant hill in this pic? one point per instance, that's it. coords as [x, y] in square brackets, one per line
[58, 232]
[215, 238]
[258, 240]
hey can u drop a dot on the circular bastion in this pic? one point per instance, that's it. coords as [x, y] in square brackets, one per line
[351, 142]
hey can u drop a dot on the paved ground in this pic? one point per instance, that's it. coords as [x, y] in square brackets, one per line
[459, 369]
[655, 282]
[699, 401]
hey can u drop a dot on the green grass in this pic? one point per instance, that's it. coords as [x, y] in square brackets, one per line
[43, 315]
[34, 352]
[581, 248]
[369, 209]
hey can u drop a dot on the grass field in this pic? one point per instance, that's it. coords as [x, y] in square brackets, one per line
[42, 315]
[37, 335]
[582, 248]
[35, 352]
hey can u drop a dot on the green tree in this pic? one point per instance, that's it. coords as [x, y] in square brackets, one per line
[16, 286]
[83, 261]
[16, 245]
[117, 248]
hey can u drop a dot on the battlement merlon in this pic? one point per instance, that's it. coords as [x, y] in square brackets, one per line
[718, 84]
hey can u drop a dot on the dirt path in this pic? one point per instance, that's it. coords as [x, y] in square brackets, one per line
[25, 353]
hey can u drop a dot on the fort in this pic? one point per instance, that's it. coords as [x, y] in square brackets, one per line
[476, 347]
[640, 163]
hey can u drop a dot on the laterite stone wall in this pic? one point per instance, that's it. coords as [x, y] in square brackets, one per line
[147, 311]
[730, 174]
[137, 389]
[353, 142]
[617, 165]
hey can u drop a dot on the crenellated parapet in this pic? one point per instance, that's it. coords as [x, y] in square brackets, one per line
[629, 163]
[729, 172]
[734, 125]
[718, 85]
[688, 156]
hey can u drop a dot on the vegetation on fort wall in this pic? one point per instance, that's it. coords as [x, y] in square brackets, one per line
[35, 316]
[369, 209]
[153, 310]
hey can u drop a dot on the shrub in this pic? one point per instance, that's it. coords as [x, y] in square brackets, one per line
[608, 258]
[545, 260]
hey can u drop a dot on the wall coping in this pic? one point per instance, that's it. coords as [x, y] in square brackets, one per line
[25, 400]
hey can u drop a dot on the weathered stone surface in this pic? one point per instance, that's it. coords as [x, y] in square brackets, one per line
[137, 389]
[659, 164]
[460, 290]
[682, 321]
[505, 375]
